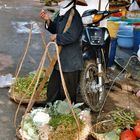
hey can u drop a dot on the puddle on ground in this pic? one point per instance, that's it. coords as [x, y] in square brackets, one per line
[24, 27]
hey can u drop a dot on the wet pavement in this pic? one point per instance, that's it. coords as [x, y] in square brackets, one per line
[16, 18]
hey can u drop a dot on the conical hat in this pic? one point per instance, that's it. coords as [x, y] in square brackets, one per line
[81, 2]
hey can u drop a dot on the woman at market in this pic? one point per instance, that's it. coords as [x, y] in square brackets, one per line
[71, 54]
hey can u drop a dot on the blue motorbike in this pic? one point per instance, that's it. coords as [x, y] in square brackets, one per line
[95, 47]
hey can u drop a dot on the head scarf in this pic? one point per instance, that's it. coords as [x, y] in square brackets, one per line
[65, 6]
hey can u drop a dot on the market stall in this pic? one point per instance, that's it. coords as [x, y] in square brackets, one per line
[124, 27]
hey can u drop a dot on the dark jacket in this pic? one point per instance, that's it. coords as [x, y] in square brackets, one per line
[71, 54]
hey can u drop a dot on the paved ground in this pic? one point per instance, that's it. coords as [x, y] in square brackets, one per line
[15, 19]
[17, 14]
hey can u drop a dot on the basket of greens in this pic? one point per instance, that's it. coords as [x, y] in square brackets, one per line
[111, 125]
[22, 89]
[55, 122]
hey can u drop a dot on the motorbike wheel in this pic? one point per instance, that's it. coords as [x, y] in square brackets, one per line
[89, 77]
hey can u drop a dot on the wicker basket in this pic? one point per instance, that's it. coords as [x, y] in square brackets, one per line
[18, 134]
[20, 97]
[104, 125]
[15, 96]
[133, 14]
[83, 135]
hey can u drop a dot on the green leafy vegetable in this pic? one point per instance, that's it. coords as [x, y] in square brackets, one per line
[62, 107]
[111, 135]
[123, 118]
[21, 86]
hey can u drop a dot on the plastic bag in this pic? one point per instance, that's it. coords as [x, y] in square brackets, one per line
[138, 93]
[138, 53]
[6, 80]
[134, 6]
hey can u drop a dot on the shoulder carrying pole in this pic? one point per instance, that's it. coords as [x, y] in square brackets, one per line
[52, 63]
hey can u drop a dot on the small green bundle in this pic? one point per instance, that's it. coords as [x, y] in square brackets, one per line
[123, 118]
[21, 86]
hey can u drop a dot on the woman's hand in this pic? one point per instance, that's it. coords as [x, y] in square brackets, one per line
[44, 15]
